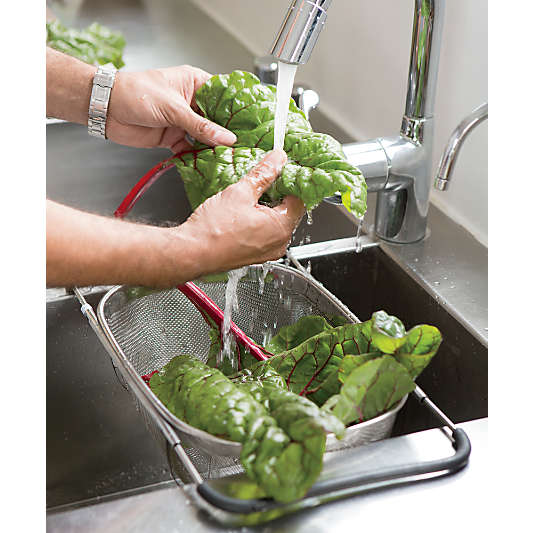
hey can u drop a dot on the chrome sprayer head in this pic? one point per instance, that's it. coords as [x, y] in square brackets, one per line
[300, 30]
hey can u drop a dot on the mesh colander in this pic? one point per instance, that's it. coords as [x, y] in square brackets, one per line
[143, 329]
[148, 328]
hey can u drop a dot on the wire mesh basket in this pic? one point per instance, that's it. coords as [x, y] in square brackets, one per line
[147, 328]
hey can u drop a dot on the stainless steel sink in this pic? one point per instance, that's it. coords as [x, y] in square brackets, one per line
[97, 442]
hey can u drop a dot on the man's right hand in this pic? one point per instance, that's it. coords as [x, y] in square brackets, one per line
[231, 229]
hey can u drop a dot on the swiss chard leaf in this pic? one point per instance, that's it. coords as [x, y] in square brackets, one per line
[96, 45]
[370, 389]
[310, 369]
[317, 367]
[283, 435]
[316, 166]
[293, 335]
[421, 344]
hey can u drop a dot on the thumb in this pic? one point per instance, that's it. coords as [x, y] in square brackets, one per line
[264, 174]
[202, 129]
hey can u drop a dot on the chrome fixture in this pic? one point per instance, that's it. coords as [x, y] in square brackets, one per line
[266, 69]
[447, 162]
[300, 30]
[306, 99]
[397, 168]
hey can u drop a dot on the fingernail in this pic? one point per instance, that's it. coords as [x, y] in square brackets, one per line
[278, 157]
[223, 136]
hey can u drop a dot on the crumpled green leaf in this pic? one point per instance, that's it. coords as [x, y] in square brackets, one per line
[283, 435]
[316, 166]
[96, 44]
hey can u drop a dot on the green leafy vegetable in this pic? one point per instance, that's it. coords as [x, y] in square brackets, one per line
[371, 388]
[281, 409]
[318, 367]
[316, 167]
[311, 368]
[96, 45]
[283, 435]
[293, 335]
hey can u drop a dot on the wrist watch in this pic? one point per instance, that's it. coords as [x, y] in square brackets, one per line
[100, 94]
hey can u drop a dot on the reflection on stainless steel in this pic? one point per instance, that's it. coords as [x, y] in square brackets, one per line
[300, 30]
[398, 168]
[266, 69]
[447, 162]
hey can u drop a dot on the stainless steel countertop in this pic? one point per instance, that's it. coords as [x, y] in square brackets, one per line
[454, 502]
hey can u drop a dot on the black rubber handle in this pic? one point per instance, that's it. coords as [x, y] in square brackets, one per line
[448, 465]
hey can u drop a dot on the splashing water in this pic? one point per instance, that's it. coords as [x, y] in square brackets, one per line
[231, 305]
[309, 217]
[264, 272]
[358, 237]
[286, 75]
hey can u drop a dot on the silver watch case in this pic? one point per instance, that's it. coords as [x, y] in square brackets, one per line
[99, 103]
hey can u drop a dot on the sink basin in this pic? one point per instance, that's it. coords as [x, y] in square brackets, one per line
[457, 378]
[96, 440]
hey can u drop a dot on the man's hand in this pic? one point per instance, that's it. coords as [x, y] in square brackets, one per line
[232, 229]
[157, 107]
[227, 231]
[146, 109]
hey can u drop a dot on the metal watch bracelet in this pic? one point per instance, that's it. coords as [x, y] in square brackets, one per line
[99, 103]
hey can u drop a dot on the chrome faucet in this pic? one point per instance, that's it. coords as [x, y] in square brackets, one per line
[397, 168]
[447, 161]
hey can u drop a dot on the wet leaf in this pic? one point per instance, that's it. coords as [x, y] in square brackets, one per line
[316, 168]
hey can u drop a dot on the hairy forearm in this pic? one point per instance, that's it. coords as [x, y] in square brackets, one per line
[83, 249]
[68, 87]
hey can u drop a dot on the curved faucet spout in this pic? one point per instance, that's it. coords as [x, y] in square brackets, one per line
[447, 162]
[397, 168]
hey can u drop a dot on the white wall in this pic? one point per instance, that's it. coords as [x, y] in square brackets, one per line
[359, 67]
